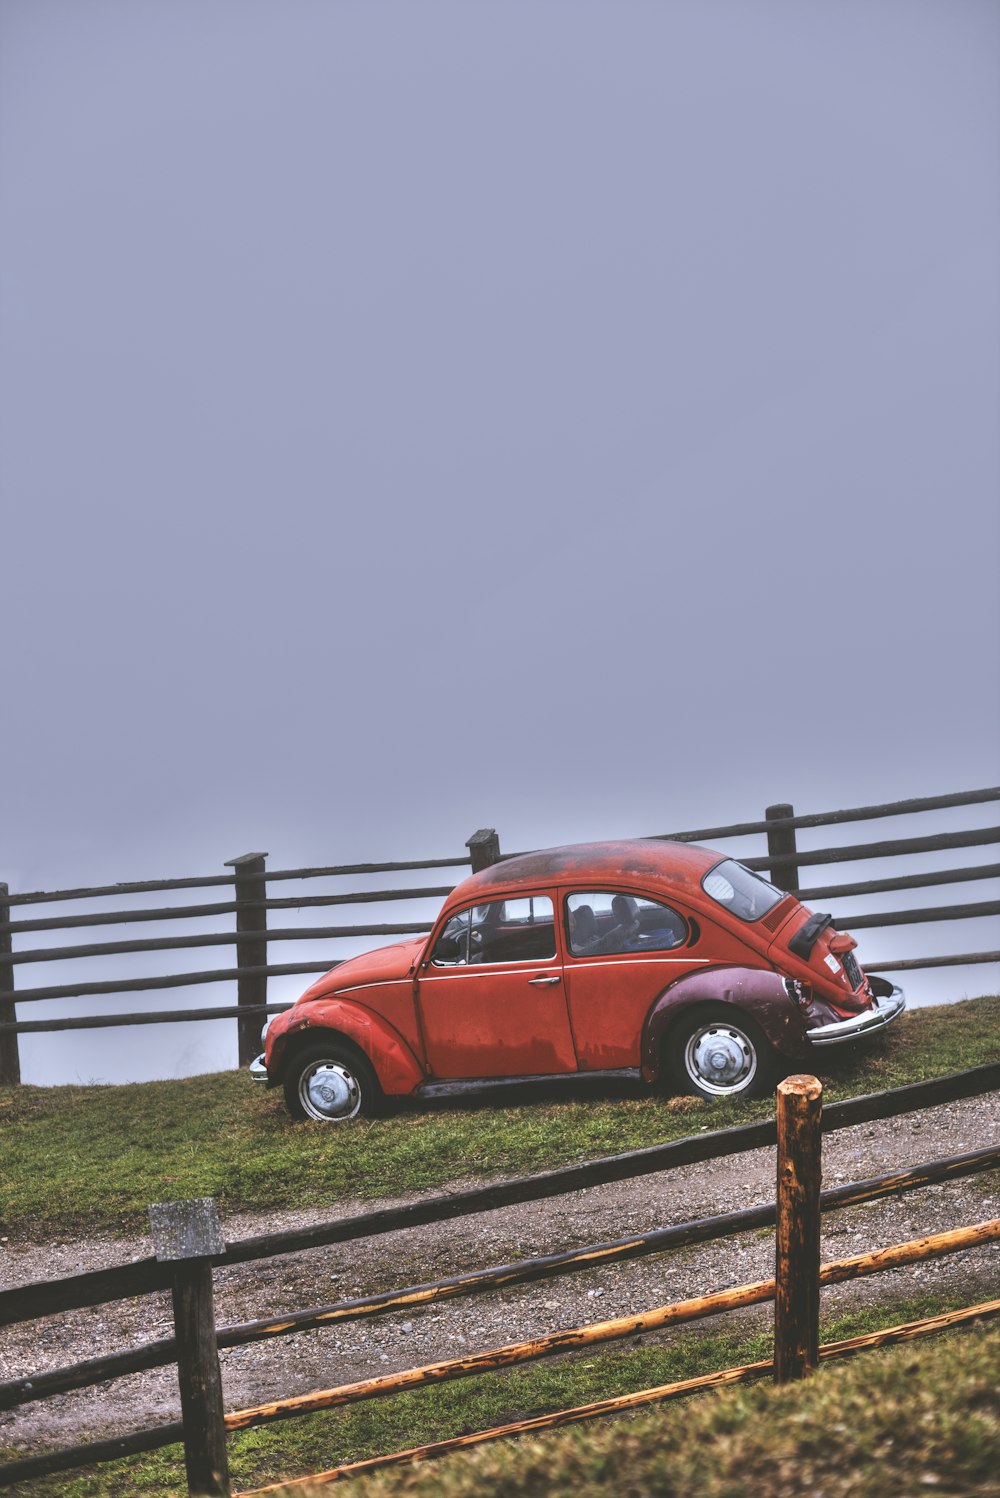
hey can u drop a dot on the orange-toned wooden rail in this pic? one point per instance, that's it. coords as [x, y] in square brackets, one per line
[907, 1332]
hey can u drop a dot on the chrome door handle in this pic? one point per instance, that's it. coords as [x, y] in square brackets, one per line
[545, 981]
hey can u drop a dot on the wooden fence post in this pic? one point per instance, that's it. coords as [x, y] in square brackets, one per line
[251, 949]
[186, 1234]
[484, 846]
[10, 1061]
[781, 849]
[796, 1237]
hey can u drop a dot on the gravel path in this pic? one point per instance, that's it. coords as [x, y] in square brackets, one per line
[310, 1360]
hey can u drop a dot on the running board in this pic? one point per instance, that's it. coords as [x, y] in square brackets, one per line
[460, 1087]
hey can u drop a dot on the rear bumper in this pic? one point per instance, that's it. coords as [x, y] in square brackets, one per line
[258, 1070]
[884, 1012]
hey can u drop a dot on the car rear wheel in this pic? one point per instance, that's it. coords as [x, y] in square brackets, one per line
[719, 1053]
[330, 1083]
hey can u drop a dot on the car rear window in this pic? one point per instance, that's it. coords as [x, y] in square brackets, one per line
[746, 895]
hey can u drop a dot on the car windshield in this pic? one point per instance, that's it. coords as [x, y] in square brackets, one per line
[745, 894]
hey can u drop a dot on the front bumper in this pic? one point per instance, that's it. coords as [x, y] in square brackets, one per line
[884, 1012]
[258, 1070]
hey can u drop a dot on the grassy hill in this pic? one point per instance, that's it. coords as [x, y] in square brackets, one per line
[89, 1159]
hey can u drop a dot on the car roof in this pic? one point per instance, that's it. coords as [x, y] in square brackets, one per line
[680, 865]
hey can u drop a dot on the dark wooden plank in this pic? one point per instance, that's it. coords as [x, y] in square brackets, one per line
[929, 880]
[92, 1452]
[835, 818]
[245, 949]
[223, 907]
[174, 980]
[796, 1236]
[10, 1060]
[905, 964]
[899, 1100]
[979, 837]
[144, 1017]
[918, 917]
[146, 886]
[95, 1287]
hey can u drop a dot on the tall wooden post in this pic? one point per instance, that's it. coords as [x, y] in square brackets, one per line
[796, 1238]
[186, 1234]
[781, 849]
[251, 949]
[10, 1061]
[484, 846]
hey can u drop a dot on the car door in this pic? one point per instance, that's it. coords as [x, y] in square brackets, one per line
[622, 950]
[492, 996]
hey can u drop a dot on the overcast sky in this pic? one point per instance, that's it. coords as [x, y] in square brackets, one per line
[577, 418]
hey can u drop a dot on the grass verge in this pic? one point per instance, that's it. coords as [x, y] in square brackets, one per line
[89, 1159]
[904, 1420]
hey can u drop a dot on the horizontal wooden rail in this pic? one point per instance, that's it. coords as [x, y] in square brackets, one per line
[965, 912]
[483, 1281]
[833, 818]
[142, 1017]
[91, 1452]
[698, 1308]
[146, 886]
[907, 1332]
[910, 964]
[979, 837]
[214, 939]
[228, 907]
[173, 980]
[95, 1287]
[967, 875]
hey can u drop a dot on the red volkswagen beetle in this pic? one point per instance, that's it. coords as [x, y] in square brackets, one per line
[654, 959]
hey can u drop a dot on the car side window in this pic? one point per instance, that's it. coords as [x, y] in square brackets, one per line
[452, 947]
[521, 930]
[602, 921]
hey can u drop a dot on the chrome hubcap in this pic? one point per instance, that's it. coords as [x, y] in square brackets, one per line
[329, 1090]
[720, 1059]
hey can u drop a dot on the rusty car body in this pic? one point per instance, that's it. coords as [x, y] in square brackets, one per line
[647, 958]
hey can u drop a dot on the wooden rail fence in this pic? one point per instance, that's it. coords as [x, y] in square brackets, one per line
[189, 1247]
[247, 898]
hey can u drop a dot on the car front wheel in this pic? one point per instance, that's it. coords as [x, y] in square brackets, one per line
[330, 1083]
[720, 1053]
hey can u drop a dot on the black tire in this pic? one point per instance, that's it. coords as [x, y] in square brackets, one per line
[718, 1051]
[331, 1083]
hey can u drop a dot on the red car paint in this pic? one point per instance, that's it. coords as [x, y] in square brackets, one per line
[731, 993]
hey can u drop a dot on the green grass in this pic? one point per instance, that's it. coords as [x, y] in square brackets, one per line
[886, 1417]
[90, 1159]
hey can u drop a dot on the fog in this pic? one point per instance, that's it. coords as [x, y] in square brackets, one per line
[578, 419]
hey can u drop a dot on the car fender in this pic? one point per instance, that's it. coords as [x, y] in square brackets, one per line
[396, 1067]
[759, 992]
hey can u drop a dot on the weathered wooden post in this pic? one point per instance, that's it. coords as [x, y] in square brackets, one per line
[796, 1238]
[781, 849]
[484, 846]
[186, 1234]
[251, 949]
[10, 1061]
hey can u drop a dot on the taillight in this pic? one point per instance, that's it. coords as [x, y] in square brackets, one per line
[799, 993]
